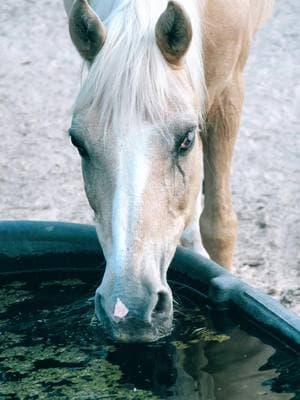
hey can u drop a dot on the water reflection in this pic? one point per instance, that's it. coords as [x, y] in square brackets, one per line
[236, 369]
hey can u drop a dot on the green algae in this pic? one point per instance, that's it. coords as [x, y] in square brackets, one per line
[200, 334]
[8, 339]
[97, 380]
[16, 284]
[10, 295]
[65, 282]
[179, 345]
[208, 335]
[76, 374]
[22, 359]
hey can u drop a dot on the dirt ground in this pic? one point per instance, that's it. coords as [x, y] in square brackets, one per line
[40, 176]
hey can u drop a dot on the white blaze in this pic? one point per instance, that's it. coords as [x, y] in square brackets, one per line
[120, 309]
[132, 176]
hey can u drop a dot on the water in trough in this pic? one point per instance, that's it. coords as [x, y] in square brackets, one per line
[51, 347]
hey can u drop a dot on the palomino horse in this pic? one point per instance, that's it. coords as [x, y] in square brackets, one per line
[162, 97]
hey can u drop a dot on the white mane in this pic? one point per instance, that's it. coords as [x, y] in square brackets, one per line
[129, 79]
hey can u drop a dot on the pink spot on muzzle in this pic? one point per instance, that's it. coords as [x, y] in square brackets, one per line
[120, 310]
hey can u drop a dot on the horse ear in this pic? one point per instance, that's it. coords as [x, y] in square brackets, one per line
[173, 33]
[86, 29]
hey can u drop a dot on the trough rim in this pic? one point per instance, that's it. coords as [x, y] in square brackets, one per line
[32, 246]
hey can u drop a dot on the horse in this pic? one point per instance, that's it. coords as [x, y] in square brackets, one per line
[158, 112]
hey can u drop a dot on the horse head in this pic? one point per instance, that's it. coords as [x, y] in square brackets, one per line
[136, 127]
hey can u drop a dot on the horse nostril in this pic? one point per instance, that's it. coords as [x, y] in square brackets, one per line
[162, 304]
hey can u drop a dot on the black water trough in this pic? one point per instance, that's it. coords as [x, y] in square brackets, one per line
[43, 248]
[27, 246]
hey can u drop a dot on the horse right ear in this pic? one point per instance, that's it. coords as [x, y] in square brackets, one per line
[173, 33]
[86, 29]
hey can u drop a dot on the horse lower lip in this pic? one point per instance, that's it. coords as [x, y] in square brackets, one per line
[123, 338]
[134, 331]
[134, 335]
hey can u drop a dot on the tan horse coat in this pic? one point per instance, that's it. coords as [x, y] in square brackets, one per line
[229, 27]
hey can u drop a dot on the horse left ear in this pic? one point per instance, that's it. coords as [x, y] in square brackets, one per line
[173, 33]
[86, 29]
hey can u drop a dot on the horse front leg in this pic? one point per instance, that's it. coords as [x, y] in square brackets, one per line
[218, 222]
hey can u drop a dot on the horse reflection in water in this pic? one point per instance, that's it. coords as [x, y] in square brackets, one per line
[162, 97]
[203, 371]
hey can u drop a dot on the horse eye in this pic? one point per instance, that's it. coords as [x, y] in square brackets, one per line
[187, 141]
[81, 149]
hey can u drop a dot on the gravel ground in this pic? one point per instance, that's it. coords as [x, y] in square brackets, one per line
[40, 171]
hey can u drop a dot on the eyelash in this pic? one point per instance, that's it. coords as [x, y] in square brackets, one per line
[189, 137]
[81, 149]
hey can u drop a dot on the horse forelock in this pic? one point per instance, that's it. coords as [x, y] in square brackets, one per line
[130, 81]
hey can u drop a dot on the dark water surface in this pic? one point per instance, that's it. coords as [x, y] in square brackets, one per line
[51, 347]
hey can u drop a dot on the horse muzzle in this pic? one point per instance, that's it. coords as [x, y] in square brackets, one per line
[134, 318]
